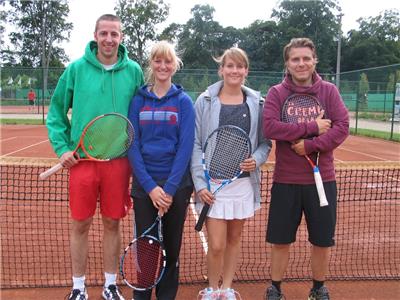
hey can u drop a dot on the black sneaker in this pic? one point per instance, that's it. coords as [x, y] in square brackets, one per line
[272, 293]
[320, 294]
[78, 295]
[112, 293]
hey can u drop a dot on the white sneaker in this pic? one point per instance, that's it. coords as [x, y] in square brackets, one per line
[208, 294]
[78, 295]
[229, 294]
[112, 293]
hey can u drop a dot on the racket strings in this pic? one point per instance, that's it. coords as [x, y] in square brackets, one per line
[300, 108]
[108, 137]
[226, 150]
[143, 263]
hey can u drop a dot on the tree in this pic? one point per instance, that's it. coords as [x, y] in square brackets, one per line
[41, 28]
[202, 38]
[139, 19]
[262, 44]
[376, 43]
[363, 89]
[317, 20]
[171, 32]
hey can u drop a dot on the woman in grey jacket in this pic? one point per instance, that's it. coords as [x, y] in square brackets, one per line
[228, 102]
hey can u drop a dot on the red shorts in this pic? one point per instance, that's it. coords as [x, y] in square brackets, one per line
[107, 181]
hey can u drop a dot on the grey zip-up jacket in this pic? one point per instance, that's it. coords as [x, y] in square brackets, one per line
[207, 108]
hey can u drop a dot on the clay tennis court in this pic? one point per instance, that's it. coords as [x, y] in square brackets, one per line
[31, 141]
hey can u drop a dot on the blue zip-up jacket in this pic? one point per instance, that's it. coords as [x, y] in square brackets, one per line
[164, 138]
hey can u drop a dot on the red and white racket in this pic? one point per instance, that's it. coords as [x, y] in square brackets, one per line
[302, 108]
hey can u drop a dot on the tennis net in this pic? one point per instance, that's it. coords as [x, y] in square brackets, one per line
[35, 229]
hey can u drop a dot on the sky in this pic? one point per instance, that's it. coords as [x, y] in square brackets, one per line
[84, 13]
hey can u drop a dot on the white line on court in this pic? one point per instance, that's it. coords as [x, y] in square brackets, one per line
[362, 153]
[201, 233]
[33, 145]
[8, 139]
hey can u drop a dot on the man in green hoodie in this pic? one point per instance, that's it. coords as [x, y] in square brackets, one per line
[104, 80]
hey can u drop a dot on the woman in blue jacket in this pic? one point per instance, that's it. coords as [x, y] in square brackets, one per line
[163, 118]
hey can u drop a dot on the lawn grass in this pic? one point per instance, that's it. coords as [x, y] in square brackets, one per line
[376, 134]
[362, 132]
[21, 122]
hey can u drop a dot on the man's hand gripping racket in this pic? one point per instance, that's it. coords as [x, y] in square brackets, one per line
[144, 259]
[300, 108]
[104, 138]
[224, 151]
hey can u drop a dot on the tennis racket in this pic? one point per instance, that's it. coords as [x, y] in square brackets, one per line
[225, 149]
[144, 259]
[302, 108]
[104, 138]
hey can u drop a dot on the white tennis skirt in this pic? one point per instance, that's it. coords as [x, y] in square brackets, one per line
[233, 201]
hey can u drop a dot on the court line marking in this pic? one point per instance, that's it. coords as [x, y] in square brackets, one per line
[363, 153]
[30, 146]
[201, 233]
[7, 139]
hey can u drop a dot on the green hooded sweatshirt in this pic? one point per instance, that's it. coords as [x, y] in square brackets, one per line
[90, 90]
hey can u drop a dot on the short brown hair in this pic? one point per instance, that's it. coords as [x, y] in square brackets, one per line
[107, 17]
[299, 43]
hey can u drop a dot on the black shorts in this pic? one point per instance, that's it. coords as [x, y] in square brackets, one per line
[289, 202]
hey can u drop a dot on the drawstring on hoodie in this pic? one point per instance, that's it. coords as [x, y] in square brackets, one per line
[103, 87]
[113, 90]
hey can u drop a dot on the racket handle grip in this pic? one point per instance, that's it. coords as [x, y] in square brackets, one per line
[202, 217]
[50, 171]
[320, 188]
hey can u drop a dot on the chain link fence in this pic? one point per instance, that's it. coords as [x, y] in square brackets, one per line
[371, 95]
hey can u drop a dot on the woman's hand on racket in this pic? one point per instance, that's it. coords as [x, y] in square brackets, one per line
[69, 159]
[248, 165]
[323, 124]
[160, 199]
[206, 196]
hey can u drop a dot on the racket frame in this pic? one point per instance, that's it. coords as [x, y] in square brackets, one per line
[159, 240]
[81, 145]
[223, 182]
[317, 175]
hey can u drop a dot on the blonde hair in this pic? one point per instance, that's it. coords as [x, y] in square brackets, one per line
[166, 50]
[236, 54]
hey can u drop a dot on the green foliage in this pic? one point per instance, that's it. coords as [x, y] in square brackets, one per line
[261, 42]
[376, 134]
[363, 89]
[41, 28]
[139, 19]
[393, 79]
[200, 38]
[312, 19]
[376, 43]
[21, 122]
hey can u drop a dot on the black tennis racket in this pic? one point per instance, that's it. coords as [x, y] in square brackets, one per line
[225, 149]
[144, 259]
[302, 108]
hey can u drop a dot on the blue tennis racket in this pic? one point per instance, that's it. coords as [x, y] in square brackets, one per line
[225, 149]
